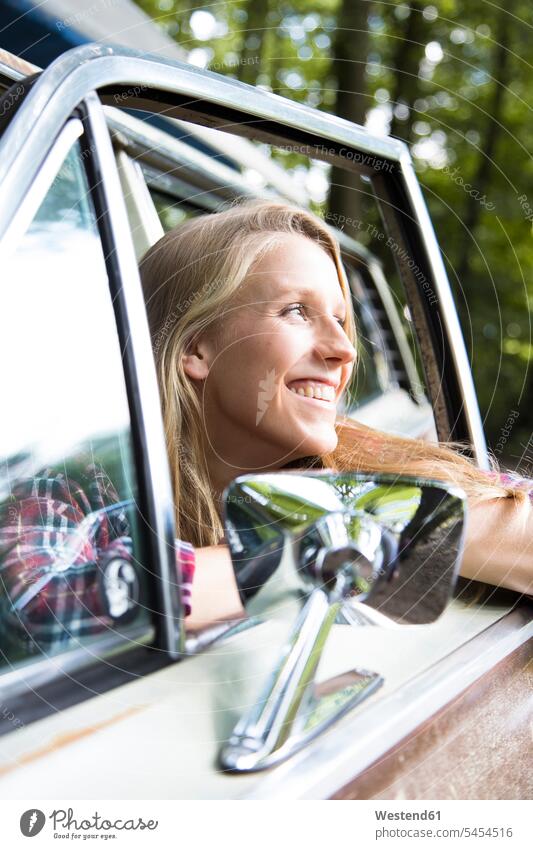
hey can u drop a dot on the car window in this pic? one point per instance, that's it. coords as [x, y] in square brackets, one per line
[72, 559]
[386, 390]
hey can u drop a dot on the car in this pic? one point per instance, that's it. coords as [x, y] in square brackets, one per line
[141, 706]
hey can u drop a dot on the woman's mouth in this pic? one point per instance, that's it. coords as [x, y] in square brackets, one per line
[313, 391]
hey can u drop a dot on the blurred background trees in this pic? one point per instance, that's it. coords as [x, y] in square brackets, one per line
[451, 79]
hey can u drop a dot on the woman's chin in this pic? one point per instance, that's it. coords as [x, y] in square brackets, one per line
[317, 444]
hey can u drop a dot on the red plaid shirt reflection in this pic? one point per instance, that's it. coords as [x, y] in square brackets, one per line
[50, 603]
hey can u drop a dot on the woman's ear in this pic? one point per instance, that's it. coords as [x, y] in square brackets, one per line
[196, 359]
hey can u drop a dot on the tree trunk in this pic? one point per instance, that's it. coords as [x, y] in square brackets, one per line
[501, 73]
[251, 58]
[410, 46]
[350, 48]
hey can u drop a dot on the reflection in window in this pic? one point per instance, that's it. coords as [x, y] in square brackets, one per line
[70, 547]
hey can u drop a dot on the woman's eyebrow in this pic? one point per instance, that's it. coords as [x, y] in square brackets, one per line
[303, 292]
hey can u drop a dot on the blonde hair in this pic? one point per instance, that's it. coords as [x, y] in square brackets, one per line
[188, 278]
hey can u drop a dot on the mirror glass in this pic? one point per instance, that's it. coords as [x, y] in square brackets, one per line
[391, 543]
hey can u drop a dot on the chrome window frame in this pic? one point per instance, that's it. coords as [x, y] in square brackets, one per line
[360, 262]
[150, 450]
[354, 254]
[184, 91]
[324, 768]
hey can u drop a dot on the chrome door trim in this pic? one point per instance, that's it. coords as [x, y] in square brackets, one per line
[341, 755]
[141, 380]
[375, 271]
[200, 96]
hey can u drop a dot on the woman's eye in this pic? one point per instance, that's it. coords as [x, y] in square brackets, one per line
[299, 308]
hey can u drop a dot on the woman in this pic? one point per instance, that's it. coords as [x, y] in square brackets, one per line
[254, 340]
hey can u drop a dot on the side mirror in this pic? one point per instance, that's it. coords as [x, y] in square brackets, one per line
[347, 543]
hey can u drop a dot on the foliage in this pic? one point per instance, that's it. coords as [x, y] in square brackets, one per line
[453, 80]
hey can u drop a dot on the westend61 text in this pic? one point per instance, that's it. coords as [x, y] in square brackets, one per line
[407, 815]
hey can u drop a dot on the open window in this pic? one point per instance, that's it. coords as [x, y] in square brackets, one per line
[166, 181]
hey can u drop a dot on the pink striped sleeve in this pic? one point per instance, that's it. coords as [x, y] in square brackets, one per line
[185, 562]
[513, 479]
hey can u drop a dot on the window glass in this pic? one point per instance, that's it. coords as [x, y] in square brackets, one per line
[71, 549]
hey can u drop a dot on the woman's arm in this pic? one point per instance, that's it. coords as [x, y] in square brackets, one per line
[215, 597]
[499, 544]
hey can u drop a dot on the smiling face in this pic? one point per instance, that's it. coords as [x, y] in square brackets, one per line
[271, 373]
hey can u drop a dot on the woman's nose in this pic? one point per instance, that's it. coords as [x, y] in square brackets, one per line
[334, 343]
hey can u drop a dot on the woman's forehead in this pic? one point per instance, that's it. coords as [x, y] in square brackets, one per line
[299, 268]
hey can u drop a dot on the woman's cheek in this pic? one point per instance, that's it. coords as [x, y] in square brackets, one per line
[242, 395]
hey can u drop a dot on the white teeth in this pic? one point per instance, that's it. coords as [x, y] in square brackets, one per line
[321, 391]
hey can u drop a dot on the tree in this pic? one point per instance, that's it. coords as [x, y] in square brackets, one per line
[252, 50]
[349, 52]
[409, 42]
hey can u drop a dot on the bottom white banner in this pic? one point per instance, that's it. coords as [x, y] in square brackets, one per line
[153, 823]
